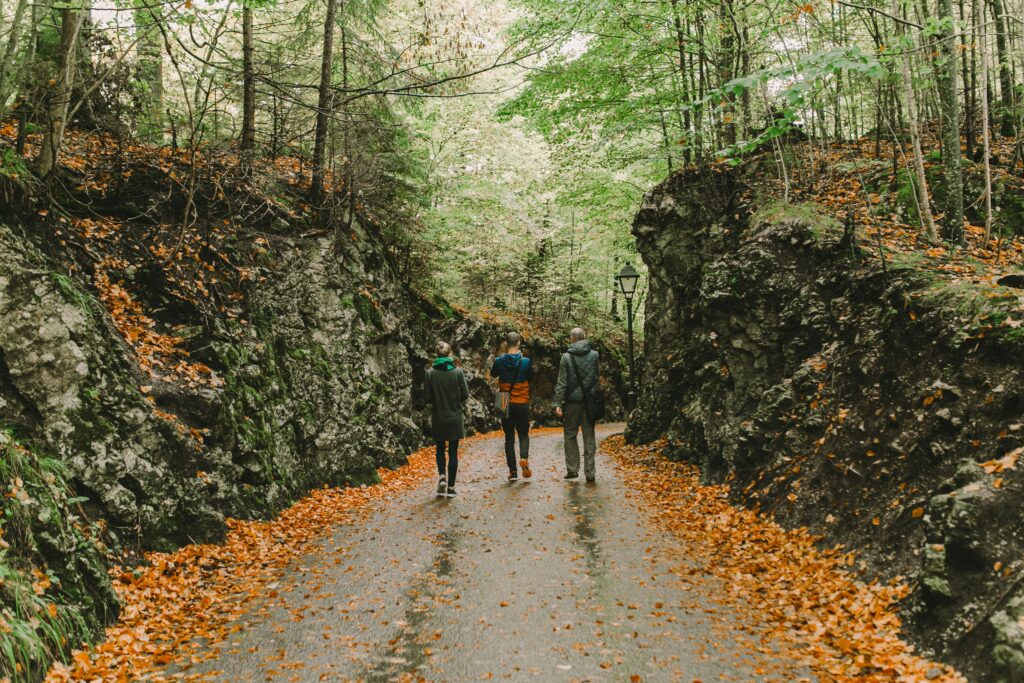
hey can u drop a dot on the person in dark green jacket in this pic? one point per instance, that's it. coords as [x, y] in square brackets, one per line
[447, 393]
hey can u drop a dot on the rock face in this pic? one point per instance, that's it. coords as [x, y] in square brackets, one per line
[321, 385]
[67, 380]
[876, 403]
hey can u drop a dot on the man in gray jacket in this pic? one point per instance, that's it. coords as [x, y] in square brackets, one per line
[580, 367]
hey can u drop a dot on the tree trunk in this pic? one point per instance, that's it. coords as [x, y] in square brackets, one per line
[149, 51]
[952, 173]
[967, 69]
[923, 203]
[323, 113]
[982, 34]
[248, 140]
[1006, 127]
[681, 50]
[744, 68]
[11, 51]
[666, 142]
[349, 131]
[30, 56]
[697, 86]
[59, 97]
[726, 71]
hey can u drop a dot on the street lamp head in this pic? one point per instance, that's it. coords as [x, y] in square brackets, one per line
[628, 278]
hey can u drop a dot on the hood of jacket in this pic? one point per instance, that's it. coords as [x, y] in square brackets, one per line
[509, 361]
[444, 364]
[580, 348]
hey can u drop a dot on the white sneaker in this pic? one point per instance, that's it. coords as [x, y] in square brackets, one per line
[442, 486]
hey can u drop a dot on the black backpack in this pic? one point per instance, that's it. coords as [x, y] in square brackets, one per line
[593, 398]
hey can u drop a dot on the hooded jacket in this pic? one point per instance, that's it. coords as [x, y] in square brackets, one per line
[447, 392]
[569, 389]
[514, 369]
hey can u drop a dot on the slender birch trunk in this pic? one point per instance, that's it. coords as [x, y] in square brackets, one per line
[59, 98]
[982, 33]
[952, 172]
[323, 113]
[248, 139]
[924, 209]
[11, 51]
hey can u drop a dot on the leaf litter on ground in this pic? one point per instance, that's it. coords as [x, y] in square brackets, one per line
[178, 608]
[842, 628]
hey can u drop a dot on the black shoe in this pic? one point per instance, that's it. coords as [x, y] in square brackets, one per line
[513, 476]
[442, 486]
[591, 480]
[570, 475]
[451, 492]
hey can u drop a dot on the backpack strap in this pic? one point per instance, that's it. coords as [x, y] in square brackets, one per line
[515, 375]
[579, 378]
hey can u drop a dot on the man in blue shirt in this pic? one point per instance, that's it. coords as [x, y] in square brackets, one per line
[513, 371]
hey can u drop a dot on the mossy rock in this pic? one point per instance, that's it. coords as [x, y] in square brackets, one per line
[1010, 204]
[906, 197]
[54, 588]
[810, 214]
[1009, 649]
[369, 311]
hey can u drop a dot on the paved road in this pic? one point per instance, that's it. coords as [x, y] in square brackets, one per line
[543, 580]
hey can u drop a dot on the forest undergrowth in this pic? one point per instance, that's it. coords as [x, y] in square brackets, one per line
[864, 191]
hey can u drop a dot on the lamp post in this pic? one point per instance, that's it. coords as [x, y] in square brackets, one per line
[627, 279]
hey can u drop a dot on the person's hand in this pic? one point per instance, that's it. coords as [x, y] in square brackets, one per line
[558, 411]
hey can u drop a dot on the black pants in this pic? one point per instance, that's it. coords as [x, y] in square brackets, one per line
[518, 420]
[453, 460]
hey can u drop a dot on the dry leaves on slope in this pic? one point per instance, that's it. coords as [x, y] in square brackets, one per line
[842, 628]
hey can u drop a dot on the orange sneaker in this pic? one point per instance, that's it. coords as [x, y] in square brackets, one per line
[525, 465]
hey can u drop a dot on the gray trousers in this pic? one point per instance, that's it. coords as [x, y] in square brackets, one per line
[575, 418]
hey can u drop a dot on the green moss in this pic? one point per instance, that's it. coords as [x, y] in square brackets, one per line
[1014, 334]
[363, 478]
[250, 401]
[916, 264]
[54, 590]
[817, 219]
[1010, 201]
[906, 196]
[73, 294]
[971, 308]
[369, 310]
[12, 165]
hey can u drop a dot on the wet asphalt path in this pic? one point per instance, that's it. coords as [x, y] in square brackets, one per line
[541, 580]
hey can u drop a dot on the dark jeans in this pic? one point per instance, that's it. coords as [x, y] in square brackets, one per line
[518, 420]
[453, 460]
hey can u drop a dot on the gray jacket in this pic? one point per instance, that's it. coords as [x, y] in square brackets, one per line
[568, 389]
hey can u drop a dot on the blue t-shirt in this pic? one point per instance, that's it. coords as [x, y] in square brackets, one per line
[504, 368]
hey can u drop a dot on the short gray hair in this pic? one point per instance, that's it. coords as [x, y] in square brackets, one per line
[444, 349]
[577, 334]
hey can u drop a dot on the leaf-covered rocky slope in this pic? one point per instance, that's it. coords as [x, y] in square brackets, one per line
[877, 401]
[311, 389]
